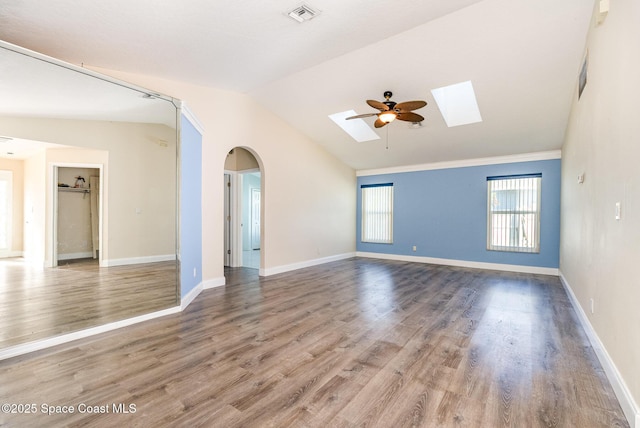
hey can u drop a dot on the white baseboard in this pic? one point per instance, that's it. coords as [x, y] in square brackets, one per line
[8, 254]
[628, 404]
[462, 263]
[138, 260]
[305, 264]
[36, 345]
[190, 297]
[195, 291]
[74, 256]
[215, 282]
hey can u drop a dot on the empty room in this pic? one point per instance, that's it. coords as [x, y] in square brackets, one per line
[319, 214]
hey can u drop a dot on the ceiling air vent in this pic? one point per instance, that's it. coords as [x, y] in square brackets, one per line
[302, 13]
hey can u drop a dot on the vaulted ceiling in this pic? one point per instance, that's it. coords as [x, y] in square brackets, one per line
[522, 57]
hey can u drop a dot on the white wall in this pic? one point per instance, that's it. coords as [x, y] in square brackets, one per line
[139, 184]
[308, 194]
[34, 209]
[599, 255]
[16, 166]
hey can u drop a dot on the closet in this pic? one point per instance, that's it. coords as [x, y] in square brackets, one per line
[77, 213]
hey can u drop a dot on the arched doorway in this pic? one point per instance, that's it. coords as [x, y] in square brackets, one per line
[243, 207]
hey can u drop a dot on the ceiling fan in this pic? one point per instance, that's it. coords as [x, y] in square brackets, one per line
[390, 111]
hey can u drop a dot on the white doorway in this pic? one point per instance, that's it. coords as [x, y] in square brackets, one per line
[251, 233]
[243, 204]
[255, 219]
[227, 219]
[76, 220]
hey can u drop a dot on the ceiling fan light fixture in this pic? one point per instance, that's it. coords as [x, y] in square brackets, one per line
[387, 116]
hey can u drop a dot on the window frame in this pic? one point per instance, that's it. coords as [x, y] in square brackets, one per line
[387, 214]
[536, 212]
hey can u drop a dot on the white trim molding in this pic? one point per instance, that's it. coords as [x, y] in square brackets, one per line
[75, 256]
[628, 404]
[37, 345]
[138, 260]
[525, 157]
[301, 265]
[191, 296]
[462, 263]
[10, 253]
[214, 283]
[14, 351]
[188, 114]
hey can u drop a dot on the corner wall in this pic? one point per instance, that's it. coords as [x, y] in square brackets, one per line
[598, 254]
[190, 250]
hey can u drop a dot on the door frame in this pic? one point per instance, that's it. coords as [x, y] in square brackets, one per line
[235, 213]
[52, 209]
[252, 218]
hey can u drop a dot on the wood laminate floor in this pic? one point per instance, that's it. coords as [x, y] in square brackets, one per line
[38, 303]
[359, 342]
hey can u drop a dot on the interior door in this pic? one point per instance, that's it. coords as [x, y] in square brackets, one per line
[227, 219]
[255, 219]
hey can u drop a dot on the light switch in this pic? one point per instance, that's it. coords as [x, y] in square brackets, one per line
[617, 210]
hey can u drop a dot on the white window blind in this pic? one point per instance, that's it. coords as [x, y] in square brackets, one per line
[377, 213]
[513, 218]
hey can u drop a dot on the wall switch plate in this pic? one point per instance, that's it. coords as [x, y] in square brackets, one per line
[618, 211]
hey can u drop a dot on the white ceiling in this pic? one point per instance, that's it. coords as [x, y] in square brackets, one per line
[39, 86]
[523, 58]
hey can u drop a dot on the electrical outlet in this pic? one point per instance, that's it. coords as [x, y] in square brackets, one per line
[415, 248]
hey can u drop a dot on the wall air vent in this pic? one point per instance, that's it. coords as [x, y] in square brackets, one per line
[303, 13]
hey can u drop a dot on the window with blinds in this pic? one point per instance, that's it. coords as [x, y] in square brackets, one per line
[377, 213]
[513, 218]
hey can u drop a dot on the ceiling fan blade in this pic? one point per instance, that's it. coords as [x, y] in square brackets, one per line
[377, 104]
[410, 117]
[410, 105]
[379, 124]
[361, 116]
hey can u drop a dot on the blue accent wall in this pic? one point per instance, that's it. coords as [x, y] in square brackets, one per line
[443, 213]
[190, 207]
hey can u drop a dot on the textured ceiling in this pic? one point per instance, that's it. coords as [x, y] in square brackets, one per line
[523, 58]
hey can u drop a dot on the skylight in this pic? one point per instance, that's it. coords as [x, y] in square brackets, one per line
[457, 104]
[357, 128]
